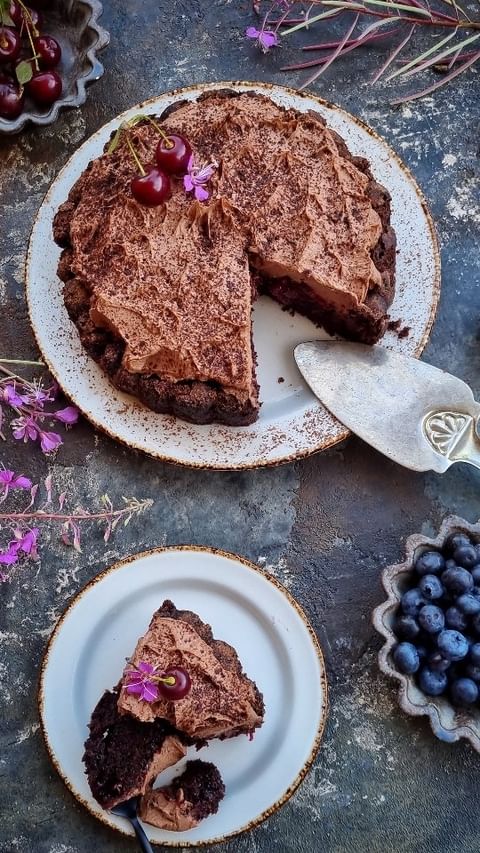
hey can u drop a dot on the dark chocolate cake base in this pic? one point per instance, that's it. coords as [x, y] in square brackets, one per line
[120, 750]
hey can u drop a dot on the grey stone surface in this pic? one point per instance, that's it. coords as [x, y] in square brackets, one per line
[325, 526]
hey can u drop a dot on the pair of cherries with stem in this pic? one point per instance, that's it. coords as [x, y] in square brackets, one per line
[152, 186]
[35, 73]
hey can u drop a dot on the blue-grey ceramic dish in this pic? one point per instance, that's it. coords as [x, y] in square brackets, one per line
[448, 723]
[74, 23]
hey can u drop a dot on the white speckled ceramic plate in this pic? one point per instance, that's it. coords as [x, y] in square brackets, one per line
[292, 422]
[247, 609]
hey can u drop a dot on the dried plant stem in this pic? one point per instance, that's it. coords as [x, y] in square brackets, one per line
[106, 515]
[22, 361]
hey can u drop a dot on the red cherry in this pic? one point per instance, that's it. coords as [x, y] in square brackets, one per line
[180, 688]
[45, 87]
[173, 154]
[10, 45]
[48, 50]
[151, 189]
[11, 98]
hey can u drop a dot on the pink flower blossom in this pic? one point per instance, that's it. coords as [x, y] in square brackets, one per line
[37, 397]
[10, 480]
[27, 542]
[67, 416]
[140, 683]
[10, 556]
[25, 428]
[9, 394]
[49, 441]
[266, 39]
[197, 177]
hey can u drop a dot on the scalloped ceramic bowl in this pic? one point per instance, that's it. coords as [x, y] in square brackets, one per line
[448, 723]
[74, 23]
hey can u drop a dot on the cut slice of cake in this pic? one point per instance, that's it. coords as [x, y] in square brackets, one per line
[221, 701]
[190, 798]
[162, 296]
[181, 688]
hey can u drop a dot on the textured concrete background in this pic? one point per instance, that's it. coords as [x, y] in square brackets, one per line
[325, 526]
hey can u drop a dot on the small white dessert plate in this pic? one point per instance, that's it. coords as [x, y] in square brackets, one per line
[245, 607]
[292, 422]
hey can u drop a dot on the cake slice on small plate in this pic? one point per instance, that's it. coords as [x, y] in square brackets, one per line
[181, 687]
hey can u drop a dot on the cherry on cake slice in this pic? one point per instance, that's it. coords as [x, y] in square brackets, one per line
[221, 701]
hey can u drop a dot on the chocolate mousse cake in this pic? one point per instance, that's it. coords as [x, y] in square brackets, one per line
[190, 798]
[222, 701]
[181, 688]
[162, 295]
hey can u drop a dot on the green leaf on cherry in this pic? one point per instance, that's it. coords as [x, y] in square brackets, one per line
[24, 72]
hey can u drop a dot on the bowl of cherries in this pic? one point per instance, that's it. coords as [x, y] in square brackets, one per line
[431, 625]
[48, 55]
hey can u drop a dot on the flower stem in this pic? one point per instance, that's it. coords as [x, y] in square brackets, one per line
[39, 515]
[21, 361]
[165, 137]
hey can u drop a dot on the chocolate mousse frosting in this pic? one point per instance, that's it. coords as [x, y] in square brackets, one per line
[189, 799]
[162, 296]
[221, 702]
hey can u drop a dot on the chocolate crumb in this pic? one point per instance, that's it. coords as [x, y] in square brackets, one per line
[404, 333]
[394, 325]
[280, 379]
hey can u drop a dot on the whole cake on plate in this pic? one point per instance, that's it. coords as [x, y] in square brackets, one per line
[180, 688]
[271, 201]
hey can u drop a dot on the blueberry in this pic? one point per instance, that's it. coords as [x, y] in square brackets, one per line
[432, 682]
[464, 691]
[406, 658]
[406, 628]
[475, 653]
[422, 653]
[431, 587]
[476, 623]
[437, 663]
[412, 601]
[465, 556]
[468, 604]
[454, 618]
[477, 549]
[431, 619]
[452, 645]
[473, 671]
[429, 563]
[457, 580]
[476, 573]
[454, 541]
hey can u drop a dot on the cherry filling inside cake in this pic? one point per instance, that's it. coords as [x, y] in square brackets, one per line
[181, 687]
[162, 295]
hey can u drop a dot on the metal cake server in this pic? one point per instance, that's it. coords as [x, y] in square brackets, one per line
[128, 810]
[412, 412]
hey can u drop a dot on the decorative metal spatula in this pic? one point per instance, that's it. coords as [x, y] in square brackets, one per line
[412, 412]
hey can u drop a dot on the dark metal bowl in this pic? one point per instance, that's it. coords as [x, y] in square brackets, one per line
[74, 23]
[448, 723]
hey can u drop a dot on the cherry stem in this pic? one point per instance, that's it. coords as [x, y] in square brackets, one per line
[135, 157]
[34, 56]
[162, 133]
[169, 679]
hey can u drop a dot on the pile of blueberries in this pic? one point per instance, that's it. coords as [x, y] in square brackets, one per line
[438, 623]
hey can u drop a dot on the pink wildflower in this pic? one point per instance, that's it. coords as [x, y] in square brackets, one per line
[265, 39]
[140, 683]
[197, 177]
